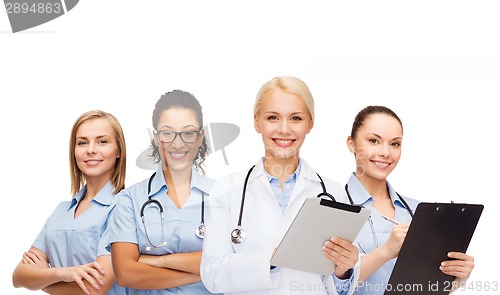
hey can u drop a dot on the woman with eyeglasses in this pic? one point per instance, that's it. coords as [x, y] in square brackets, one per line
[243, 232]
[376, 141]
[69, 255]
[158, 225]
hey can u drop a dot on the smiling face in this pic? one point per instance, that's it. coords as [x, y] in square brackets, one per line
[284, 121]
[376, 146]
[96, 149]
[177, 154]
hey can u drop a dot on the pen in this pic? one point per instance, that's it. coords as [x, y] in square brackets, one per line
[391, 220]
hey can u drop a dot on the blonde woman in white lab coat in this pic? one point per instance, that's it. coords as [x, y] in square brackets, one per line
[276, 188]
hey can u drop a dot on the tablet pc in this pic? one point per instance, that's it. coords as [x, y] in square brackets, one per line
[317, 221]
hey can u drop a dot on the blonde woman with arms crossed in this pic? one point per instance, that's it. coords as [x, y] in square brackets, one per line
[69, 255]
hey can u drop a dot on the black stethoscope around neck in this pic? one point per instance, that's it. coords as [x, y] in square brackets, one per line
[199, 231]
[238, 235]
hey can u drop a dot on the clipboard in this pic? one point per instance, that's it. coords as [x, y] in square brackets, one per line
[436, 229]
[317, 221]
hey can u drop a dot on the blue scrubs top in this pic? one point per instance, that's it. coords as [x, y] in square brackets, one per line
[178, 227]
[377, 282]
[70, 241]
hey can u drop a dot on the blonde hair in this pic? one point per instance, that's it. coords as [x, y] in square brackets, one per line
[289, 84]
[118, 177]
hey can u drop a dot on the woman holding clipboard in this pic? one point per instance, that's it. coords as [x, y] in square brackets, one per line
[376, 140]
[250, 211]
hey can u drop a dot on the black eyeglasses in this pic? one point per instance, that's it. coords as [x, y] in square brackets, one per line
[188, 136]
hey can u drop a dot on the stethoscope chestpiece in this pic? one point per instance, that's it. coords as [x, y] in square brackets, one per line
[200, 231]
[238, 235]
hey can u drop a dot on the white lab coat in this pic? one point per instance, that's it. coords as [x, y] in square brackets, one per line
[244, 268]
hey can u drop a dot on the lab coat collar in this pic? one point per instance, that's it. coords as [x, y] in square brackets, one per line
[257, 171]
[309, 173]
[307, 178]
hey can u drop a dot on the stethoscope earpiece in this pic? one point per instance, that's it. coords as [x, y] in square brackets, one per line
[238, 235]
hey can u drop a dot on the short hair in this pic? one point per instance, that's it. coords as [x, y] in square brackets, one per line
[119, 172]
[289, 84]
[179, 99]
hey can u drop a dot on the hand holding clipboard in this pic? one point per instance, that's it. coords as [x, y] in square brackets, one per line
[443, 228]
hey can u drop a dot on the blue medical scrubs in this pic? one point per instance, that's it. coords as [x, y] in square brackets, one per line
[178, 227]
[377, 282]
[70, 241]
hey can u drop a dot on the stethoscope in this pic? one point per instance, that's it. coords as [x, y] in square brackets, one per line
[238, 235]
[199, 231]
[370, 221]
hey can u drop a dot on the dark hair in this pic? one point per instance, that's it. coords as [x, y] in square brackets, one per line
[368, 111]
[181, 99]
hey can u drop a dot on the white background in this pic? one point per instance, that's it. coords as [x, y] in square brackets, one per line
[435, 63]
